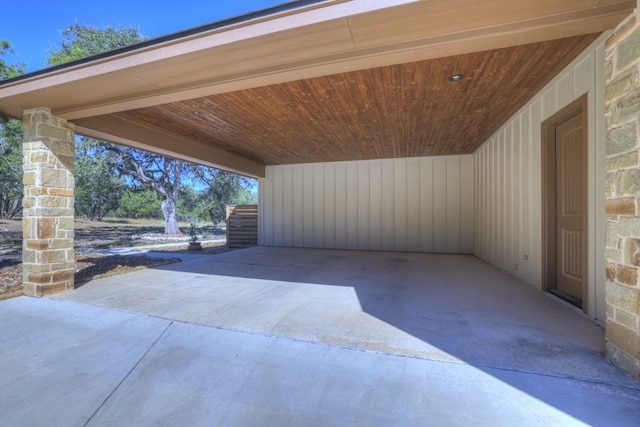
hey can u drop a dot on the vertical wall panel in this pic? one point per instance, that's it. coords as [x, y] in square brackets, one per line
[525, 190]
[495, 205]
[535, 194]
[267, 210]
[564, 89]
[516, 197]
[440, 205]
[509, 195]
[453, 207]
[364, 184]
[400, 205]
[287, 202]
[505, 169]
[278, 218]
[388, 202]
[394, 204]
[583, 75]
[298, 198]
[484, 176]
[352, 205]
[341, 205]
[330, 206]
[262, 182]
[413, 205]
[318, 205]
[307, 207]
[548, 102]
[478, 159]
[426, 204]
[467, 216]
[375, 205]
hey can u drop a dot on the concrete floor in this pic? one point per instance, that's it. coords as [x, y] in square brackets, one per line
[270, 336]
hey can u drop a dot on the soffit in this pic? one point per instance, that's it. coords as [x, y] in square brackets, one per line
[401, 110]
[346, 79]
[330, 38]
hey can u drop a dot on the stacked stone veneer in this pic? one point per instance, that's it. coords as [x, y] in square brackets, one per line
[623, 196]
[47, 224]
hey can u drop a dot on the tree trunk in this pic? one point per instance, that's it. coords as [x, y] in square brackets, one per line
[170, 219]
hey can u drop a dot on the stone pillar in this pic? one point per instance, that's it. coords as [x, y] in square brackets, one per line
[47, 222]
[623, 196]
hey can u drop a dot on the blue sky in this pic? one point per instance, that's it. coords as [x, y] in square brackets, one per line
[33, 27]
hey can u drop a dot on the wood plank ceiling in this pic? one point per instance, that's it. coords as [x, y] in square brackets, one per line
[394, 111]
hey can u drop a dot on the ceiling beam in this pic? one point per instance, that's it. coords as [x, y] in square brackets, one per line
[121, 130]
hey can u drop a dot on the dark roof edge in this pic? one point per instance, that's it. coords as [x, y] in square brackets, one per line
[283, 7]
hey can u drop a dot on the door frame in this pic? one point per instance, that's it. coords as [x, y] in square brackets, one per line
[549, 256]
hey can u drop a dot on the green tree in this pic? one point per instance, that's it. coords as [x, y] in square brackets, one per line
[10, 148]
[10, 168]
[139, 202]
[159, 173]
[153, 171]
[6, 70]
[222, 189]
[190, 203]
[98, 188]
[79, 41]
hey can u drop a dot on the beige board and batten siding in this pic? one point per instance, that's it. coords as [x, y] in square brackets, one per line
[508, 180]
[422, 204]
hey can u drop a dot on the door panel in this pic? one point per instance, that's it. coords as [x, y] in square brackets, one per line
[571, 202]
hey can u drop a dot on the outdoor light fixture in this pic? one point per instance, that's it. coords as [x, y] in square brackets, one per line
[456, 77]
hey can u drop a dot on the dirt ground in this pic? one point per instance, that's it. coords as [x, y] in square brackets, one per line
[92, 236]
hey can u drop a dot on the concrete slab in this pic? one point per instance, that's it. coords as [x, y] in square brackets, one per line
[441, 307]
[59, 361]
[305, 337]
[203, 376]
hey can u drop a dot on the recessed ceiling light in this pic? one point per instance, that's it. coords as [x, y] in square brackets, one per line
[196, 113]
[456, 77]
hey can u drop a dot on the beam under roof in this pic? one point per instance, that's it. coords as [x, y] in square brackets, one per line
[119, 129]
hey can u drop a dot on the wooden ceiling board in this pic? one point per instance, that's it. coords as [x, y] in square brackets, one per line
[394, 111]
[325, 39]
[173, 82]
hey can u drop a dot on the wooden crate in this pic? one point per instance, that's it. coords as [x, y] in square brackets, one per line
[242, 226]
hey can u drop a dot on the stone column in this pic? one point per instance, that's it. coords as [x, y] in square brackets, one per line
[47, 223]
[623, 196]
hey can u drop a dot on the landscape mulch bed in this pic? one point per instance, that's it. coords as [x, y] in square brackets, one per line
[93, 266]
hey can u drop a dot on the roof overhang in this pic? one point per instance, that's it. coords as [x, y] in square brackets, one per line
[304, 40]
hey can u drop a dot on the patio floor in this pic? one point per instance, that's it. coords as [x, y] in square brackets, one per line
[275, 336]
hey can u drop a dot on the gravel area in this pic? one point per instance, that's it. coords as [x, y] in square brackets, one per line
[93, 266]
[93, 237]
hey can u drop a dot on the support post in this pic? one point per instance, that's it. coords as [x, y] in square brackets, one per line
[623, 196]
[47, 224]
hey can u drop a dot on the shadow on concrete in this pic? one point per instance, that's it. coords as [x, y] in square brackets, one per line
[449, 308]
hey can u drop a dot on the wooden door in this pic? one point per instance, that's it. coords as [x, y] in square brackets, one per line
[571, 209]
